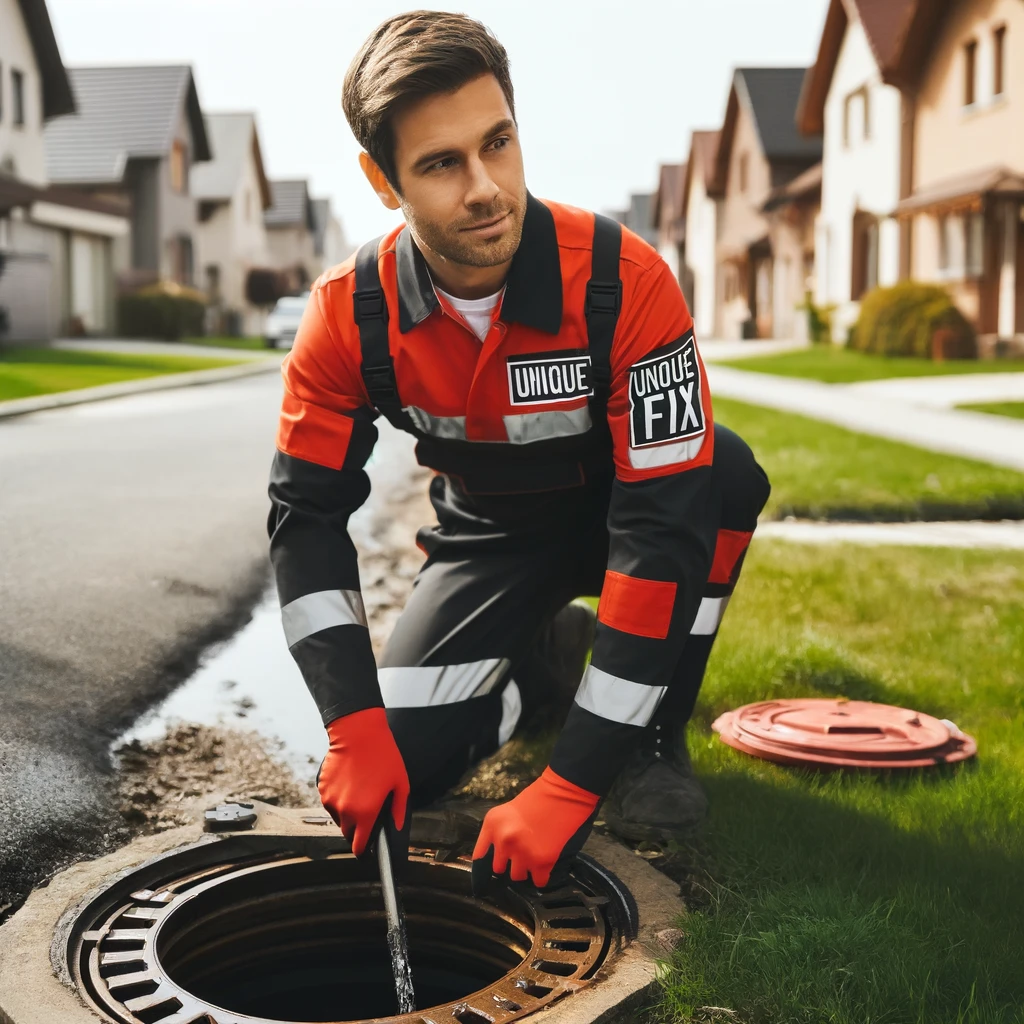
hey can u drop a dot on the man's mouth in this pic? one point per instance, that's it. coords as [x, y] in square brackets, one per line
[493, 222]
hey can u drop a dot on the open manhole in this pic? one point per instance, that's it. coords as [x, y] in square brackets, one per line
[254, 929]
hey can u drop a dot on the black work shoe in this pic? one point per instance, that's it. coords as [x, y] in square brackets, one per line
[550, 674]
[655, 798]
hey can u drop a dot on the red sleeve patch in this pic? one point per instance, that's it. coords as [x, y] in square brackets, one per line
[640, 607]
[309, 432]
[728, 548]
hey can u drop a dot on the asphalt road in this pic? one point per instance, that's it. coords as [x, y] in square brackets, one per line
[132, 535]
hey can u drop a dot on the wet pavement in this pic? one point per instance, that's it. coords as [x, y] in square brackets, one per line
[134, 538]
[243, 725]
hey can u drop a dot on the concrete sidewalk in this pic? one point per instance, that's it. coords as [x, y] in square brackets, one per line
[945, 392]
[715, 350]
[160, 382]
[129, 347]
[995, 439]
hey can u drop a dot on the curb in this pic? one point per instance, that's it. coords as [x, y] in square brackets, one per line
[163, 382]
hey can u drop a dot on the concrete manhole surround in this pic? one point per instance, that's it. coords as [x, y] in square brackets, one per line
[192, 928]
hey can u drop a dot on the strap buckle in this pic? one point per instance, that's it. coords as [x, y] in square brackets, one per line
[368, 304]
[603, 297]
[380, 382]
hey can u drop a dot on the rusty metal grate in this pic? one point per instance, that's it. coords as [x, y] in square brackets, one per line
[294, 936]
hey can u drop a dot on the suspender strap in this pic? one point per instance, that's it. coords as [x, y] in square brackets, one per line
[603, 302]
[370, 309]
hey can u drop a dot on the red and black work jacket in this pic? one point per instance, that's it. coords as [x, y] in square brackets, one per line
[589, 366]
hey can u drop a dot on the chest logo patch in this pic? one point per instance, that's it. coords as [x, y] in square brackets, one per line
[549, 377]
[665, 395]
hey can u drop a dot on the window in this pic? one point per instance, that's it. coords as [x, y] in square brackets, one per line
[999, 61]
[178, 169]
[970, 71]
[975, 239]
[961, 245]
[744, 168]
[213, 282]
[18, 97]
[856, 117]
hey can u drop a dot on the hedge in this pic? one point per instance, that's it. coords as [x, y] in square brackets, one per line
[912, 319]
[166, 311]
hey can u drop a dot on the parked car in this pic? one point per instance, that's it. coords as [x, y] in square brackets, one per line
[283, 321]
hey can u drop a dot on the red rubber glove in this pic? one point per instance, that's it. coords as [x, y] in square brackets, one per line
[530, 832]
[361, 770]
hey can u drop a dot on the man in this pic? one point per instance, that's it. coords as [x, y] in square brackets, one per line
[545, 361]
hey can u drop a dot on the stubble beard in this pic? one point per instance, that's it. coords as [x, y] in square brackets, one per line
[450, 243]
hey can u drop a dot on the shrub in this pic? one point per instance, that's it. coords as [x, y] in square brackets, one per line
[263, 286]
[819, 320]
[165, 310]
[913, 319]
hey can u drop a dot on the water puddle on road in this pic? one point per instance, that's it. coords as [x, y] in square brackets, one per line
[250, 682]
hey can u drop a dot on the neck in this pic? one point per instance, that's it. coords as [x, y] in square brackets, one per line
[461, 280]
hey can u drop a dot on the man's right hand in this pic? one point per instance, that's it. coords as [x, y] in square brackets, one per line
[363, 767]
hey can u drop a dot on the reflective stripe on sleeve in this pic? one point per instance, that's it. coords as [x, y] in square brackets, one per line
[709, 615]
[665, 454]
[526, 427]
[450, 428]
[313, 612]
[618, 700]
[427, 685]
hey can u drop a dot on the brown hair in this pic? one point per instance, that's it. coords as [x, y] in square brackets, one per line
[411, 56]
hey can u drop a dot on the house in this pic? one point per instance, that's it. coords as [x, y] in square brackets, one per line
[792, 211]
[290, 232]
[60, 248]
[232, 192]
[330, 245]
[963, 66]
[137, 134]
[667, 220]
[849, 97]
[760, 150]
[700, 215]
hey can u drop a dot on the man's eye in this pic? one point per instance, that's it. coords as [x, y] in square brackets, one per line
[442, 165]
[500, 143]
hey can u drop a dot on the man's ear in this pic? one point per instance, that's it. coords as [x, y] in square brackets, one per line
[378, 181]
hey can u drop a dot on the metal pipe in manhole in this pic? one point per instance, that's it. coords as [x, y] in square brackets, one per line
[296, 932]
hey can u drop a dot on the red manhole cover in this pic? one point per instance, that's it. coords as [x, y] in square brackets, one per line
[843, 733]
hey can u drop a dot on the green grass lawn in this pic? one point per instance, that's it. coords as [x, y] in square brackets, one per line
[835, 365]
[821, 471]
[863, 899]
[225, 342]
[39, 371]
[1014, 409]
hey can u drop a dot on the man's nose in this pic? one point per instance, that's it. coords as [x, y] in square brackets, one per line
[481, 189]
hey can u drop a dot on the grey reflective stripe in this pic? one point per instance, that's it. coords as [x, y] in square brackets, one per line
[527, 427]
[309, 614]
[709, 615]
[511, 709]
[427, 685]
[451, 428]
[666, 454]
[618, 700]
[523, 428]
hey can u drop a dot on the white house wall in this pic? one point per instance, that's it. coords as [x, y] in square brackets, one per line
[22, 147]
[700, 255]
[864, 175]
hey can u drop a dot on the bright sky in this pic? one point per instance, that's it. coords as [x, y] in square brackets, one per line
[605, 89]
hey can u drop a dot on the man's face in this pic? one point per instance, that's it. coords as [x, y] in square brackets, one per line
[460, 174]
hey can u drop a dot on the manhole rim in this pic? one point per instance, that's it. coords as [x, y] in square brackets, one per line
[613, 937]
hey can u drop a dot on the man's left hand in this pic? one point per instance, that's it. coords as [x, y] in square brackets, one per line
[549, 821]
